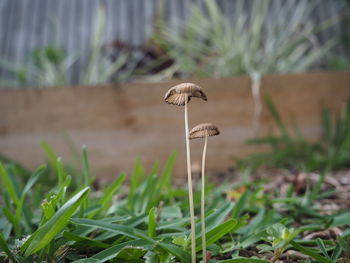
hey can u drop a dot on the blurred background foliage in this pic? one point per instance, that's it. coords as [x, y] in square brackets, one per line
[291, 150]
[253, 37]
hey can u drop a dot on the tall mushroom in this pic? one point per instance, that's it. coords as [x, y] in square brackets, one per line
[180, 95]
[203, 131]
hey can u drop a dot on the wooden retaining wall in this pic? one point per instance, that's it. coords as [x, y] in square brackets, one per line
[120, 122]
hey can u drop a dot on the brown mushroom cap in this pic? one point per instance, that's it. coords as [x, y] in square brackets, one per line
[177, 94]
[203, 130]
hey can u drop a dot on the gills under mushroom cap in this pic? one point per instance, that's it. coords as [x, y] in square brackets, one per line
[177, 94]
[203, 130]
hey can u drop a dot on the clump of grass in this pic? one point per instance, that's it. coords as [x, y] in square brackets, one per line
[330, 152]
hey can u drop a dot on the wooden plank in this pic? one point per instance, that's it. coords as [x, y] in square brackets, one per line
[120, 122]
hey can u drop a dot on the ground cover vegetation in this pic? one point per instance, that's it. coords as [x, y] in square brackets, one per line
[291, 150]
[50, 216]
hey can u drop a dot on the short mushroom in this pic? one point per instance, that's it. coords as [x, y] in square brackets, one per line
[180, 95]
[203, 131]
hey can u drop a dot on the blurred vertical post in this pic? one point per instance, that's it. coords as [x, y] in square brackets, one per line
[256, 93]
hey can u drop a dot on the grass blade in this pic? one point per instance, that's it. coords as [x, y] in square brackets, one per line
[85, 240]
[111, 252]
[311, 253]
[86, 167]
[87, 260]
[110, 192]
[218, 232]
[322, 247]
[240, 204]
[51, 155]
[152, 222]
[9, 187]
[215, 218]
[117, 228]
[343, 242]
[47, 232]
[134, 182]
[272, 108]
[6, 249]
[60, 171]
[164, 184]
[20, 209]
[244, 260]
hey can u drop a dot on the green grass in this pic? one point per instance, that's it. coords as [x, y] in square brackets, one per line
[47, 216]
[328, 153]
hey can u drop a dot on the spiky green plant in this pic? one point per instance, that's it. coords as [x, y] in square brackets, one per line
[99, 68]
[46, 67]
[50, 66]
[254, 42]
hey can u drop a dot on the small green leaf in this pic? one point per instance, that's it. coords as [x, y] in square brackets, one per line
[130, 253]
[264, 248]
[182, 241]
[48, 209]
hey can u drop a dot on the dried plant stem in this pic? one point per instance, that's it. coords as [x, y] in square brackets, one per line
[204, 249]
[256, 92]
[190, 188]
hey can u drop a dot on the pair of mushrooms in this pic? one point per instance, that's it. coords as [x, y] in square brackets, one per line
[181, 95]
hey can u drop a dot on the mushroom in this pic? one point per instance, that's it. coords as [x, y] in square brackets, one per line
[180, 95]
[203, 131]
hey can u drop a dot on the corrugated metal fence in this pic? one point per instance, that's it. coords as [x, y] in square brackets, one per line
[28, 24]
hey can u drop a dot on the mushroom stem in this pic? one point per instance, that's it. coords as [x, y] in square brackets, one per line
[204, 249]
[190, 188]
